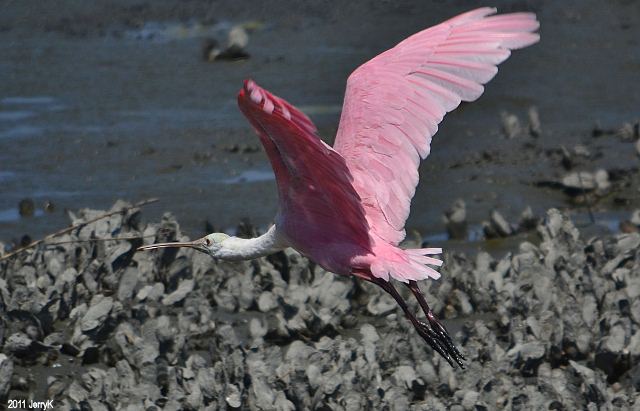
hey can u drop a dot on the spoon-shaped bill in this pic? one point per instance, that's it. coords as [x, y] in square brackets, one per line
[196, 244]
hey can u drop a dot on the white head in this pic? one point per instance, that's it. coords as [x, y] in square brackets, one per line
[210, 244]
[220, 245]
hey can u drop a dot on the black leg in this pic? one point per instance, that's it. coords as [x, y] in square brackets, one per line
[430, 335]
[436, 326]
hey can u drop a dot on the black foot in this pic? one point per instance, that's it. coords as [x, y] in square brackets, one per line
[433, 333]
[437, 329]
[438, 338]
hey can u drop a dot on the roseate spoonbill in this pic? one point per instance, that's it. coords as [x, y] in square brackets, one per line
[345, 207]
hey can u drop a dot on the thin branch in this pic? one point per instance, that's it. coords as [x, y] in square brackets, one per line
[92, 240]
[76, 226]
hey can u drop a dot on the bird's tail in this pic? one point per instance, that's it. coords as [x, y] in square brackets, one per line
[407, 265]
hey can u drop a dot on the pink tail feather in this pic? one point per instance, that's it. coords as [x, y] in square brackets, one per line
[409, 265]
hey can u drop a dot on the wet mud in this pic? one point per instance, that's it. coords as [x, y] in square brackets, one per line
[123, 100]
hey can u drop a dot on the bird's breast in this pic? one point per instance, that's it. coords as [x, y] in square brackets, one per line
[332, 253]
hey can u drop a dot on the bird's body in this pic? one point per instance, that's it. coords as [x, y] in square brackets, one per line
[320, 212]
[345, 207]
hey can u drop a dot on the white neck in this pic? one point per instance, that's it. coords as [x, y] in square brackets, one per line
[234, 248]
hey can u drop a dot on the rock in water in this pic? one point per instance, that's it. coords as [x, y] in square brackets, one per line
[456, 220]
[579, 181]
[528, 220]
[510, 125]
[535, 129]
[237, 40]
[497, 226]
[26, 207]
[602, 181]
[238, 37]
[628, 227]
[629, 131]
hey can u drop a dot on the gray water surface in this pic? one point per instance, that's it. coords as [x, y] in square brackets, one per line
[100, 108]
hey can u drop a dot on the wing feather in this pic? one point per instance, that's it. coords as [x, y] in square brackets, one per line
[314, 184]
[394, 102]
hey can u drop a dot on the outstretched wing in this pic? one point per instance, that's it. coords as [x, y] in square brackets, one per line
[394, 102]
[317, 199]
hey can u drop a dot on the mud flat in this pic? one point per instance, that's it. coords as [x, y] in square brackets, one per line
[93, 324]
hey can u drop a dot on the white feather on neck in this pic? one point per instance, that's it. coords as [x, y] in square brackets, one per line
[234, 248]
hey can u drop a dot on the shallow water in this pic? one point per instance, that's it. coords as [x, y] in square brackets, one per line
[134, 113]
[251, 176]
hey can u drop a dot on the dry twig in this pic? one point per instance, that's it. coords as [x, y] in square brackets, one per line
[76, 226]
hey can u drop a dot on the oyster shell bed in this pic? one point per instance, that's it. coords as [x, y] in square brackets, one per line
[96, 325]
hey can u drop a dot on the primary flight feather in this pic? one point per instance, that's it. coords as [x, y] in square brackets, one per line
[345, 207]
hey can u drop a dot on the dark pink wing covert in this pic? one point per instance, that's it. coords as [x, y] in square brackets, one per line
[394, 103]
[317, 198]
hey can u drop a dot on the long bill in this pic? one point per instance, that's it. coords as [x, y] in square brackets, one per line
[199, 245]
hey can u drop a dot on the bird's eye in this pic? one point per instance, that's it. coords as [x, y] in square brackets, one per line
[207, 242]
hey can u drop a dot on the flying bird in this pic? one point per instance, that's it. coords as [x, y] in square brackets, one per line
[345, 206]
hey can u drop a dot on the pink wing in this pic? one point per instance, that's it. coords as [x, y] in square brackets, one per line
[318, 204]
[394, 102]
